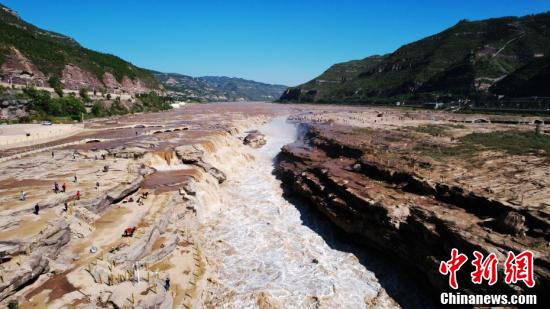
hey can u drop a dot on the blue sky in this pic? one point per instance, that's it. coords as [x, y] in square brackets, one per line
[284, 41]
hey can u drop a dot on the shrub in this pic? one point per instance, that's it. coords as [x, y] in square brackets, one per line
[42, 103]
[117, 108]
[83, 92]
[56, 84]
[153, 102]
[99, 109]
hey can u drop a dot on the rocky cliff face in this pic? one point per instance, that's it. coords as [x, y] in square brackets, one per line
[75, 78]
[359, 185]
[19, 69]
[30, 56]
[12, 108]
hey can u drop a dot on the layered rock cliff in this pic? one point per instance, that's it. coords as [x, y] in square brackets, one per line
[364, 185]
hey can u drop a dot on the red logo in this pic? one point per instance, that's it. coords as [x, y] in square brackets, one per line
[452, 266]
[484, 269]
[517, 268]
[520, 268]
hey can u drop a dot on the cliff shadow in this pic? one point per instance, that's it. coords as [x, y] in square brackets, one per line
[404, 284]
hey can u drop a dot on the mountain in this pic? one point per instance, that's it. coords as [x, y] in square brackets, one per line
[30, 55]
[238, 88]
[533, 79]
[466, 60]
[186, 88]
[217, 88]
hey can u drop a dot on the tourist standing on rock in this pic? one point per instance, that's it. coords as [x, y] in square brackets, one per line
[52, 154]
[23, 196]
[65, 206]
[167, 283]
[64, 187]
[36, 209]
[56, 187]
[78, 195]
[75, 179]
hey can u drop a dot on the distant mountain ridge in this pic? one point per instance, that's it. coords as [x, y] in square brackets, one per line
[33, 56]
[218, 88]
[470, 59]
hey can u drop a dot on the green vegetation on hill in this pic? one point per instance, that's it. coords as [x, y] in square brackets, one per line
[217, 88]
[42, 106]
[238, 88]
[50, 51]
[41, 103]
[461, 62]
[533, 79]
[151, 102]
[511, 142]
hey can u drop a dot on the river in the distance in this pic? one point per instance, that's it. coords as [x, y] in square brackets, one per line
[264, 253]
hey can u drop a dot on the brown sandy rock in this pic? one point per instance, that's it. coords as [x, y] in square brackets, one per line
[20, 70]
[75, 78]
[512, 223]
[111, 83]
[134, 86]
[405, 213]
[255, 140]
[193, 154]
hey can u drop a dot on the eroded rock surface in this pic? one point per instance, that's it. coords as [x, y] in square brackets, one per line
[255, 140]
[117, 234]
[371, 184]
[17, 68]
[138, 222]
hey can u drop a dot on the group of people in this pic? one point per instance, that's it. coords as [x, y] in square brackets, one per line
[64, 188]
[56, 188]
[143, 196]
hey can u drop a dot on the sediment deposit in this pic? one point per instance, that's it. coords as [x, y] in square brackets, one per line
[173, 210]
[137, 173]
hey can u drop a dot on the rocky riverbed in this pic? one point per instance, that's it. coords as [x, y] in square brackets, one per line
[261, 252]
[384, 186]
[173, 210]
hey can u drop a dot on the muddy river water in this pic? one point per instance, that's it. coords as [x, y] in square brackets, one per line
[270, 251]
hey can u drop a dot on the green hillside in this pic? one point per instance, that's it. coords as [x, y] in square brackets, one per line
[217, 88]
[51, 51]
[458, 63]
[533, 79]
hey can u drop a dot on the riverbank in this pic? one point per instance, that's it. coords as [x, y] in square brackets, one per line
[415, 190]
[261, 253]
[134, 178]
[177, 196]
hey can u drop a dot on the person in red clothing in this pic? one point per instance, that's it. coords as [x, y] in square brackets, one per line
[78, 195]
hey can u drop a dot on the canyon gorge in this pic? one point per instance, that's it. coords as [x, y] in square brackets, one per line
[266, 205]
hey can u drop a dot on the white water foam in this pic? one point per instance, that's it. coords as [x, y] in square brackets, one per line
[260, 246]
